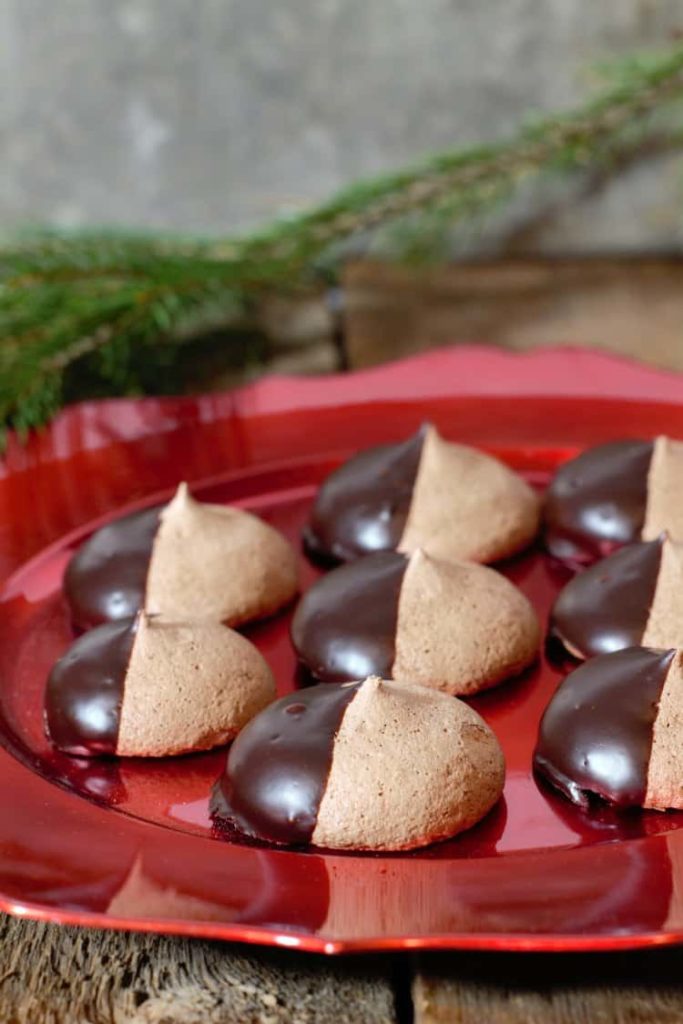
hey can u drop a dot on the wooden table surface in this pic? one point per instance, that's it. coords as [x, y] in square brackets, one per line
[54, 975]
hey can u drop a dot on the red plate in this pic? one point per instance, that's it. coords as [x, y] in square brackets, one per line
[129, 844]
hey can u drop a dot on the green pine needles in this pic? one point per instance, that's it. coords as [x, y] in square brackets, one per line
[120, 308]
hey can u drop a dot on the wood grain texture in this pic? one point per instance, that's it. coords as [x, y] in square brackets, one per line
[54, 975]
[603, 988]
[631, 306]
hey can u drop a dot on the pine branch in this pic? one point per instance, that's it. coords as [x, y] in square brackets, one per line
[118, 301]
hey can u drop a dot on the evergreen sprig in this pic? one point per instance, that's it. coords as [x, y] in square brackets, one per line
[119, 305]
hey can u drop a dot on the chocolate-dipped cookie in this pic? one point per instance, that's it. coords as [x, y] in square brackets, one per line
[452, 500]
[377, 765]
[454, 626]
[614, 730]
[150, 687]
[632, 598]
[187, 560]
[614, 494]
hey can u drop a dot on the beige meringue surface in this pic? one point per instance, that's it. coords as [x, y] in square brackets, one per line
[664, 627]
[466, 504]
[664, 506]
[461, 627]
[665, 769]
[189, 686]
[217, 562]
[409, 767]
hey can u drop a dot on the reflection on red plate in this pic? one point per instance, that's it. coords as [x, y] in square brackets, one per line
[130, 844]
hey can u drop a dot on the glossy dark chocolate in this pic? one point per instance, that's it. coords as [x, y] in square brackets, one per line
[105, 580]
[596, 502]
[362, 507]
[278, 766]
[85, 690]
[345, 626]
[606, 607]
[595, 737]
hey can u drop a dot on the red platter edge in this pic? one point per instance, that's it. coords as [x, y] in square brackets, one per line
[100, 456]
[486, 942]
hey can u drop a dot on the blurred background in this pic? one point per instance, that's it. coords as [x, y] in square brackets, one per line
[209, 116]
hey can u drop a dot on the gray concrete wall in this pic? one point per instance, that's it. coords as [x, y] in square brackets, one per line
[209, 115]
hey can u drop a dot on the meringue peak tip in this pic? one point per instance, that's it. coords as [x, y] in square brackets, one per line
[422, 556]
[142, 620]
[375, 683]
[426, 428]
[183, 492]
[182, 499]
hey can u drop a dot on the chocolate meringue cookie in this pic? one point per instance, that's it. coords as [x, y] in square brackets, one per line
[614, 730]
[150, 687]
[453, 626]
[373, 765]
[632, 598]
[187, 560]
[614, 494]
[452, 500]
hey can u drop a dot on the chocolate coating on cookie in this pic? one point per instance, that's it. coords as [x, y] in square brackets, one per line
[606, 607]
[363, 506]
[278, 766]
[154, 687]
[372, 765]
[85, 690]
[595, 738]
[449, 499]
[596, 502]
[189, 560]
[345, 626]
[450, 625]
[105, 580]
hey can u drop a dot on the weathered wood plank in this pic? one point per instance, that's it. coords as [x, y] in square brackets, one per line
[53, 975]
[630, 306]
[630, 988]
